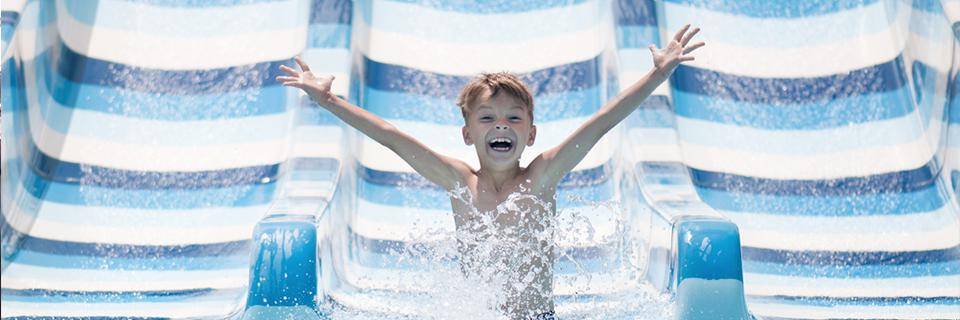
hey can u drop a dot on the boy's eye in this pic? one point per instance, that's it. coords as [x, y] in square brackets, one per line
[515, 119]
[486, 118]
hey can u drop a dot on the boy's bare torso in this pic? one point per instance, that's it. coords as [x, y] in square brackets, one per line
[521, 221]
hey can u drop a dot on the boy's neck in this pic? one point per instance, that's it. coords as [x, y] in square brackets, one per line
[498, 178]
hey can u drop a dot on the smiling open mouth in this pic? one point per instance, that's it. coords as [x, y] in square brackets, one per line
[501, 144]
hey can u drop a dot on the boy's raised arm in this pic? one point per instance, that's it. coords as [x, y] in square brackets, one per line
[442, 170]
[553, 164]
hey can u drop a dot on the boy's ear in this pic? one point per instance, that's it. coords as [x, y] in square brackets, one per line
[466, 136]
[533, 135]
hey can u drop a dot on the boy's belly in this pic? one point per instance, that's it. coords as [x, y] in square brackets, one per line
[525, 273]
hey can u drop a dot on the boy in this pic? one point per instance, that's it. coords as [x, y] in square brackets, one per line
[498, 117]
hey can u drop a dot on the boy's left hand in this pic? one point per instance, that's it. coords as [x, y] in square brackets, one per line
[677, 51]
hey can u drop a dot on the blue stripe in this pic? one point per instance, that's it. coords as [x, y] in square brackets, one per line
[311, 113]
[775, 8]
[435, 198]
[160, 296]
[254, 101]
[637, 36]
[491, 7]
[955, 179]
[329, 36]
[922, 200]
[130, 251]
[331, 12]
[804, 115]
[884, 77]
[55, 170]
[872, 271]
[66, 172]
[9, 18]
[79, 68]
[895, 182]
[236, 260]
[80, 194]
[575, 179]
[851, 258]
[443, 110]
[568, 77]
[635, 13]
[654, 112]
[932, 6]
[856, 301]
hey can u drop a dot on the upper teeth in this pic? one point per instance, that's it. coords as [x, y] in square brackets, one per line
[500, 140]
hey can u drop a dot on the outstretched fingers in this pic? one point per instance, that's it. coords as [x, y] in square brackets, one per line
[287, 79]
[690, 49]
[289, 70]
[679, 36]
[303, 65]
[686, 37]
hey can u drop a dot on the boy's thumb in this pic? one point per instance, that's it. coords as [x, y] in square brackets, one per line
[652, 48]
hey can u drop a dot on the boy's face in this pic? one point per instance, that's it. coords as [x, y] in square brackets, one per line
[500, 128]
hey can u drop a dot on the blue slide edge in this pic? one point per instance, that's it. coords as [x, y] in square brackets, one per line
[284, 270]
[708, 276]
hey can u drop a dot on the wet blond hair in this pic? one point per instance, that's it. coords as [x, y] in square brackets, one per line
[495, 83]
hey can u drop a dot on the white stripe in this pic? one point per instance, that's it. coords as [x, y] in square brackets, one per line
[769, 285]
[769, 62]
[143, 157]
[330, 61]
[115, 128]
[626, 78]
[654, 144]
[317, 141]
[177, 53]
[402, 280]
[805, 142]
[180, 309]
[196, 21]
[12, 5]
[29, 34]
[148, 234]
[385, 222]
[139, 218]
[97, 224]
[22, 276]
[931, 52]
[448, 140]
[774, 32]
[462, 27]
[859, 162]
[912, 232]
[952, 9]
[469, 59]
[794, 311]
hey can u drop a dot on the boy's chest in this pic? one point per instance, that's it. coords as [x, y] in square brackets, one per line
[510, 206]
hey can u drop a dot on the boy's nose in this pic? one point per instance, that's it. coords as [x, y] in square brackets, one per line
[501, 127]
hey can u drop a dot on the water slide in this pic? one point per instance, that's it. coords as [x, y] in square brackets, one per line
[153, 169]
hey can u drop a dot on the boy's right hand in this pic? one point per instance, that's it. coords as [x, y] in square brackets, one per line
[317, 87]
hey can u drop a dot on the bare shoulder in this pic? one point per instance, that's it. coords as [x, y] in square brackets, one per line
[540, 176]
[465, 174]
